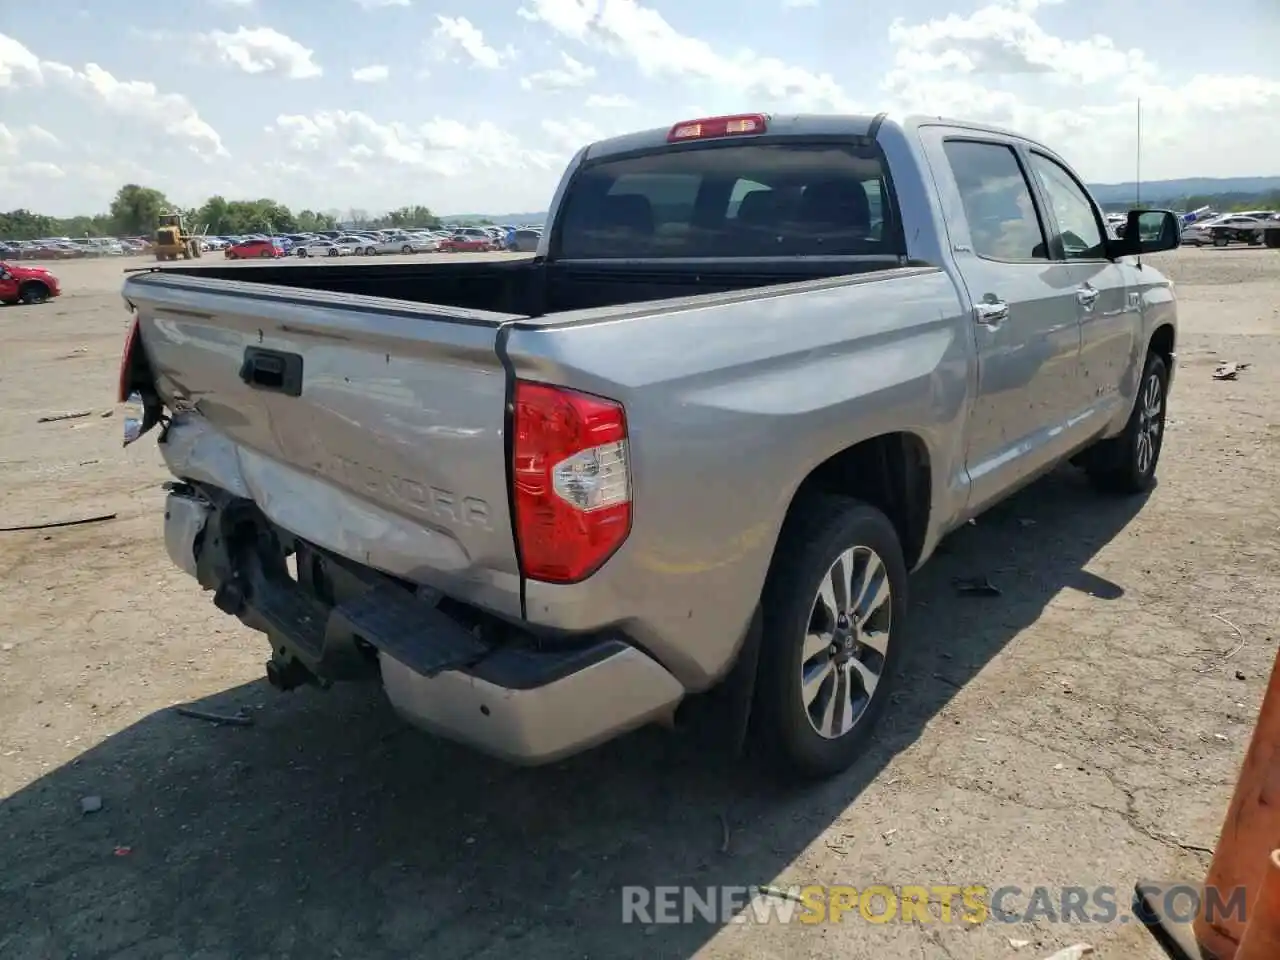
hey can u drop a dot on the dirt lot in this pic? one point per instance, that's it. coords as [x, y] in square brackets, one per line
[1084, 728]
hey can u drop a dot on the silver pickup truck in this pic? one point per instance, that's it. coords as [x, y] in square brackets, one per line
[757, 368]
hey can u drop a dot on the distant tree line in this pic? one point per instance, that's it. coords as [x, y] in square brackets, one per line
[135, 211]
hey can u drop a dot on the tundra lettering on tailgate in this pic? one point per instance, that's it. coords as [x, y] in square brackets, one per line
[422, 499]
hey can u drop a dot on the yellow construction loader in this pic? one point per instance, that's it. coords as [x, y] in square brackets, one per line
[173, 241]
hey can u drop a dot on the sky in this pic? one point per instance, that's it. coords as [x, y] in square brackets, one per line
[475, 106]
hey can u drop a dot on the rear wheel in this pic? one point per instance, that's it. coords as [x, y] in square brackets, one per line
[1127, 464]
[333, 252]
[406, 249]
[265, 255]
[834, 607]
[302, 251]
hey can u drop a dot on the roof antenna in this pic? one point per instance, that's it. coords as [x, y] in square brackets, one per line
[1137, 186]
[1137, 183]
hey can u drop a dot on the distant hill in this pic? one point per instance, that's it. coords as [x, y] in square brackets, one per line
[495, 217]
[1158, 190]
[1108, 194]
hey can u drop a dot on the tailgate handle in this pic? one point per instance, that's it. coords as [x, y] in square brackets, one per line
[272, 370]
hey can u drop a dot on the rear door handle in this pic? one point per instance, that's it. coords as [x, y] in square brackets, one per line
[991, 312]
[272, 370]
[1086, 296]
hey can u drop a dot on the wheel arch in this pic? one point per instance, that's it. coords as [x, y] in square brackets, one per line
[891, 471]
[1163, 342]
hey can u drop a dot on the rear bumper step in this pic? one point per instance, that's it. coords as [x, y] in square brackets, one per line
[341, 621]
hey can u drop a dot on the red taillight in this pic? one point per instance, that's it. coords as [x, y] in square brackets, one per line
[572, 482]
[732, 126]
[126, 361]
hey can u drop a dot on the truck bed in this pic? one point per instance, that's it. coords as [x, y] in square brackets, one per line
[532, 288]
[386, 444]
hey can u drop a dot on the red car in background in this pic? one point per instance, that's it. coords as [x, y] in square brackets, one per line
[254, 250]
[21, 284]
[467, 243]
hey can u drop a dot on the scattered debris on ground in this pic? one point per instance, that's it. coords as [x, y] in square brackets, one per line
[1229, 371]
[54, 524]
[975, 587]
[230, 719]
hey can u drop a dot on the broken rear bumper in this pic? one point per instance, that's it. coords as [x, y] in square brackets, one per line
[332, 619]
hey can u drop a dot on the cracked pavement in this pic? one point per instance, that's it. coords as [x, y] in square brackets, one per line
[1082, 729]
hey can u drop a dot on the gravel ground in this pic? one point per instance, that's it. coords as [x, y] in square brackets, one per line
[1083, 728]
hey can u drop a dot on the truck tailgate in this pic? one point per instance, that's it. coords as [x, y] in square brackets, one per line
[372, 427]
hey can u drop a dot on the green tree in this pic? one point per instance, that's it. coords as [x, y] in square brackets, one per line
[25, 225]
[415, 216]
[136, 210]
[213, 215]
[309, 221]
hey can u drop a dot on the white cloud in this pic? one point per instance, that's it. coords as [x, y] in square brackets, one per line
[572, 134]
[449, 148]
[799, 4]
[568, 75]
[41, 170]
[374, 73]
[17, 63]
[169, 113]
[607, 101]
[459, 38]
[1079, 96]
[263, 50]
[233, 3]
[381, 4]
[1007, 40]
[12, 139]
[640, 34]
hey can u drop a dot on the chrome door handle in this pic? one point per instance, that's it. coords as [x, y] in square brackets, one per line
[1086, 296]
[989, 313]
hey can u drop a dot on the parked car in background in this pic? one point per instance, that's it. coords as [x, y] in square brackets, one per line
[355, 244]
[319, 248]
[468, 243]
[254, 248]
[1196, 235]
[23, 284]
[526, 241]
[1236, 228]
[405, 243]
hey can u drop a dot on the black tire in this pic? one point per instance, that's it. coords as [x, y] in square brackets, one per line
[33, 292]
[814, 537]
[1221, 241]
[302, 252]
[333, 252]
[1119, 465]
[406, 249]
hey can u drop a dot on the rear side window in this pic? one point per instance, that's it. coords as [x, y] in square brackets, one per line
[1003, 223]
[731, 200]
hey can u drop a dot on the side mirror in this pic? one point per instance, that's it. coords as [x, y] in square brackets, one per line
[1148, 231]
